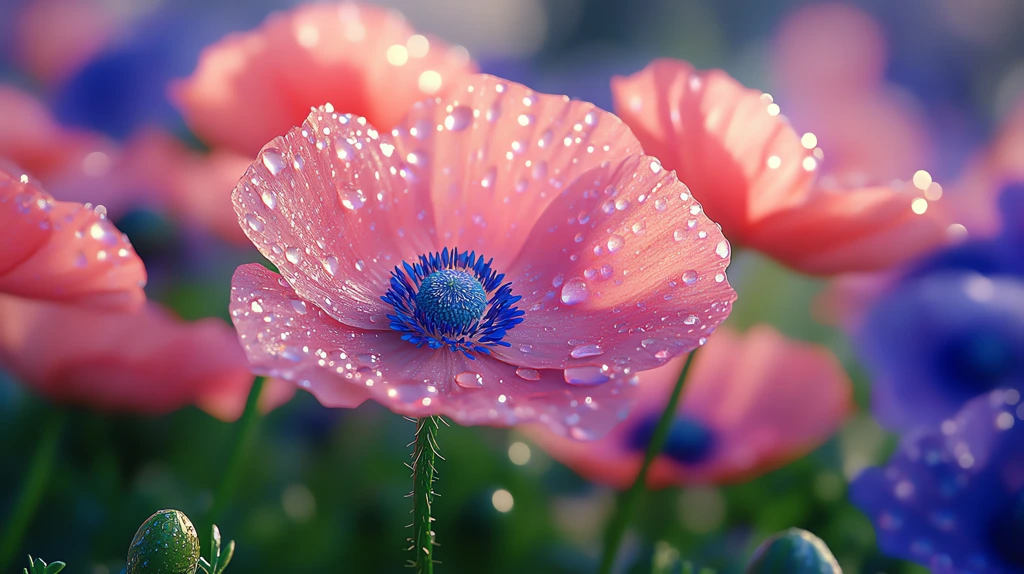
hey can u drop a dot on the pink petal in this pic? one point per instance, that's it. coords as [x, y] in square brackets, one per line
[623, 268]
[740, 158]
[843, 231]
[24, 219]
[493, 155]
[753, 391]
[253, 86]
[329, 206]
[32, 139]
[145, 362]
[286, 337]
[53, 38]
[83, 259]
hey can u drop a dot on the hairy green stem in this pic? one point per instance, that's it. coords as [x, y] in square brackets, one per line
[246, 433]
[424, 455]
[36, 479]
[628, 500]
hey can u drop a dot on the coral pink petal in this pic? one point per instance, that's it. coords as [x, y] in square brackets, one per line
[493, 155]
[84, 258]
[830, 49]
[144, 362]
[253, 86]
[623, 268]
[202, 192]
[32, 139]
[728, 143]
[53, 38]
[329, 205]
[766, 400]
[24, 219]
[838, 231]
[772, 399]
[286, 337]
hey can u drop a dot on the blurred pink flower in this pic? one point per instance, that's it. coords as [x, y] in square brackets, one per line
[251, 87]
[54, 38]
[143, 362]
[829, 63]
[501, 256]
[752, 403]
[63, 251]
[33, 140]
[755, 176]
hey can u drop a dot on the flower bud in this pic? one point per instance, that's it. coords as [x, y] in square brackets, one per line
[794, 551]
[166, 543]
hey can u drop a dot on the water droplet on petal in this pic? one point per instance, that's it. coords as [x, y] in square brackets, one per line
[253, 223]
[269, 198]
[299, 306]
[575, 291]
[459, 119]
[528, 374]
[293, 255]
[615, 242]
[690, 277]
[588, 375]
[722, 249]
[331, 265]
[469, 380]
[586, 351]
[273, 160]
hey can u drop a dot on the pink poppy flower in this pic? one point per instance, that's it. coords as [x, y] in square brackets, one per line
[253, 86]
[501, 256]
[755, 176]
[31, 137]
[752, 403]
[54, 38]
[63, 251]
[143, 362]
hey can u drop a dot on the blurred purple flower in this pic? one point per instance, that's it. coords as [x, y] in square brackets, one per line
[952, 498]
[951, 329]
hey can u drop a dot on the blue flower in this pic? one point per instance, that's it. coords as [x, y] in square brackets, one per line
[952, 498]
[950, 330]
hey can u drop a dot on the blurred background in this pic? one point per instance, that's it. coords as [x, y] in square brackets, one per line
[325, 489]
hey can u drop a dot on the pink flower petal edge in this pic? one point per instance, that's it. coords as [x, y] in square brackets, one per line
[754, 175]
[146, 362]
[765, 399]
[63, 251]
[255, 85]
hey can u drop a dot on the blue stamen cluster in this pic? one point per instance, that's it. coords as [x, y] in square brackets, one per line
[454, 300]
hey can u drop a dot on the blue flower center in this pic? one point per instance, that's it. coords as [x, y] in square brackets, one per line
[1006, 532]
[452, 300]
[978, 361]
[451, 297]
[689, 440]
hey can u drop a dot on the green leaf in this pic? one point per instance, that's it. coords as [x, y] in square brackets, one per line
[38, 566]
[218, 560]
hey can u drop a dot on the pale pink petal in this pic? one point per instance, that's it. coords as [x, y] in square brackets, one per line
[145, 362]
[53, 38]
[253, 86]
[830, 49]
[728, 143]
[839, 231]
[622, 269]
[767, 400]
[84, 259]
[493, 155]
[32, 139]
[328, 204]
[202, 192]
[24, 219]
[286, 337]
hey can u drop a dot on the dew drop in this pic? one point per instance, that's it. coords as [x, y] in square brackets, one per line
[586, 376]
[722, 249]
[293, 255]
[253, 223]
[469, 380]
[615, 242]
[352, 198]
[586, 351]
[689, 277]
[528, 374]
[299, 306]
[459, 119]
[679, 235]
[360, 265]
[274, 161]
[525, 348]
[575, 291]
[331, 265]
[269, 198]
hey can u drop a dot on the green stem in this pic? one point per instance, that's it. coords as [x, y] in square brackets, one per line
[36, 479]
[243, 441]
[628, 500]
[424, 455]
